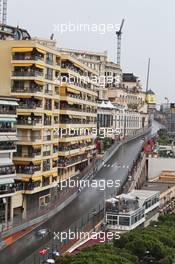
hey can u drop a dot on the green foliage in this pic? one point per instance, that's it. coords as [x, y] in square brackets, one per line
[155, 243]
[164, 140]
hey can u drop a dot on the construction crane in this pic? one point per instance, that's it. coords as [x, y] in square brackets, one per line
[119, 38]
[3, 12]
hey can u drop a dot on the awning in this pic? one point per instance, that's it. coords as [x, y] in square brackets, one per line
[48, 174]
[24, 114]
[39, 178]
[5, 120]
[22, 64]
[70, 103]
[6, 181]
[37, 146]
[41, 51]
[5, 162]
[27, 179]
[39, 66]
[22, 49]
[22, 162]
[3, 102]
[36, 162]
[55, 174]
[39, 82]
[73, 91]
[48, 114]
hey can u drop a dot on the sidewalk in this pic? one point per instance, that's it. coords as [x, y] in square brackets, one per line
[11, 239]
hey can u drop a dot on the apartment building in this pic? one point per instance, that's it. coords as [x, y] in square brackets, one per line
[110, 73]
[52, 98]
[78, 116]
[7, 148]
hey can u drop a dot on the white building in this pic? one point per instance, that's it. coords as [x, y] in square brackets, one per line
[7, 148]
[124, 121]
[128, 211]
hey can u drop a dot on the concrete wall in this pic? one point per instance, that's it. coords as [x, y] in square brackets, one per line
[157, 165]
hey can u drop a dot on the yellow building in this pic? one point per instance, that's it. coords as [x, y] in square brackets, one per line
[78, 117]
[32, 71]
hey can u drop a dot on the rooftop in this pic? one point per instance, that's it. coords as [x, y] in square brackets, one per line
[158, 186]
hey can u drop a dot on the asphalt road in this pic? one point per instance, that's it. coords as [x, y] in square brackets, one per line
[115, 169]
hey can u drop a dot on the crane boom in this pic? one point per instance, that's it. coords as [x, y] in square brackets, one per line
[3, 12]
[119, 38]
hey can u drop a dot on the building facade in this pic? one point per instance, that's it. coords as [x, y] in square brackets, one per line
[52, 99]
[128, 211]
[8, 140]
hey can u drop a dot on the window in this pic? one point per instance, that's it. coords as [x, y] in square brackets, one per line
[124, 221]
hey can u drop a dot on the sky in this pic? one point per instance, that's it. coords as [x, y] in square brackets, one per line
[149, 31]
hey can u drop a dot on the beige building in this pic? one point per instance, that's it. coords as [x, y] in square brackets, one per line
[110, 73]
[36, 73]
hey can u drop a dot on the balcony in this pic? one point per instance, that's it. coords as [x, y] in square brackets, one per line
[26, 89]
[76, 121]
[47, 138]
[46, 167]
[29, 155]
[76, 109]
[7, 170]
[75, 96]
[27, 57]
[7, 146]
[27, 169]
[29, 122]
[23, 104]
[31, 73]
[7, 128]
[46, 153]
[6, 189]
[7, 111]
[70, 66]
[29, 138]
[65, 162]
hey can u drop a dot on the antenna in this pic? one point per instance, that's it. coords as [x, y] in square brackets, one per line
[119, 38]
[3, 12]
[147, 81]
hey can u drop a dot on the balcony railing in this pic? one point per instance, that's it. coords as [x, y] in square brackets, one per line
[26, 89]
[46, 167]
[7, 130]
[70, 121]
[7, 111]
[46, 153]
[66, 162]
[28, 155]
[69, 108]
[29, 122]
[24, 57]
[27, 73]
[27, 169]
[6, 190]
[30, 138]
[31, 105]
[7, 146]
[7, 170]
[79, 97]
